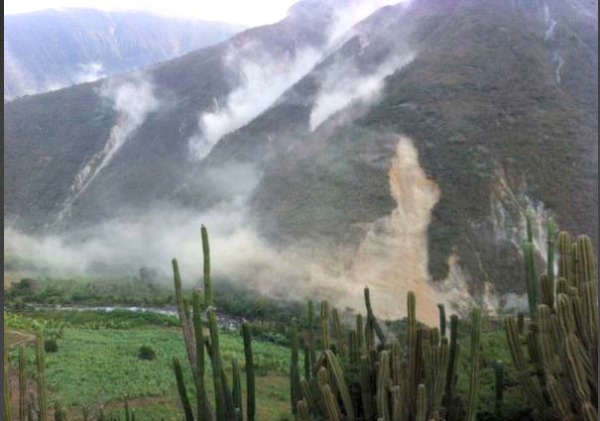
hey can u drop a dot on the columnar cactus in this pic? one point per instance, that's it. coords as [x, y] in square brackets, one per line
[474, 378]
[22, 385]
[421, 403]
[186, 324]
[338, 328]
[372, 320]
[562, 343]
[236, 391]
[201, 400]
[391, 381]
[452, 371]
[499, 387]
[181, 389]
[250, 382]
[7, 396]
[442, 311]
[325, 339]
[530, 278]
[208, 296]
[40, 359]
[295, 390]
[312, 353]
[223, 399]
[228, 401]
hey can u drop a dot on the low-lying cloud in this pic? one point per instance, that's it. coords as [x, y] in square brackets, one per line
[343, 84]
[89, 72]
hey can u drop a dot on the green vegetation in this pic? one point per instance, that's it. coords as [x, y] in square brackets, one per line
[98, 368]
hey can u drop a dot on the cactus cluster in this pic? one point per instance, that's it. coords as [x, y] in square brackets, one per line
[228, 400]
[362, 374]
[556, 357]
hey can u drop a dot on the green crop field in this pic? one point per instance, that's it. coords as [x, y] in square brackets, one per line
[100, 368]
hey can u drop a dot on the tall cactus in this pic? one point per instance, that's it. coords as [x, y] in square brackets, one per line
[201, 400]
[372, 320]
[7, 394]
[564, 250]
[337, 374]
[181, 389]
[208, 295]
[186, 324]
[22, 385]
[383, 384]
[236, 391]
[562, 343]
[389, 382]
[295, 393]
[452, 371]
[552, 233]
[530, 278]
[412, 346]
[224, 401]
[325, 339]
[40, 358]
[249, 364]
[421, 403]
[442, 311]
[499, 387]
[338, 328]
[474, 378]
[312, 353]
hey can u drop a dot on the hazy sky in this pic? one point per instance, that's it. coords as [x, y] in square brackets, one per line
[245, 12]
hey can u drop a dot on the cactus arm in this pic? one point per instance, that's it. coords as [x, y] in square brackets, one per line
[337, 374]
[187, 408]
[372, 319]
[186, 325]
[442, 311]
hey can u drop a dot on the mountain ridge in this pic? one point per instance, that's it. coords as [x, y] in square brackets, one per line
[51, 49]
[475, 85]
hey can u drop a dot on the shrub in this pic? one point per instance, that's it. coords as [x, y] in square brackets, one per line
[146, 352]
[50, 345]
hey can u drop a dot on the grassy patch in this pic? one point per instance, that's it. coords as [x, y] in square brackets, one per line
[94, 368]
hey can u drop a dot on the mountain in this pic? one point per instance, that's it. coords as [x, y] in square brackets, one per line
[398, 146]
[51, 49]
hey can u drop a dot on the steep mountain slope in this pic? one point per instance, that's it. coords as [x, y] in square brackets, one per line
[50, 49]
[53, 130]
[494, 126]
[418, 137]
[153, 119]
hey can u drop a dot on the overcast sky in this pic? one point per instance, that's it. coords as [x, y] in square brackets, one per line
[246, 12]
